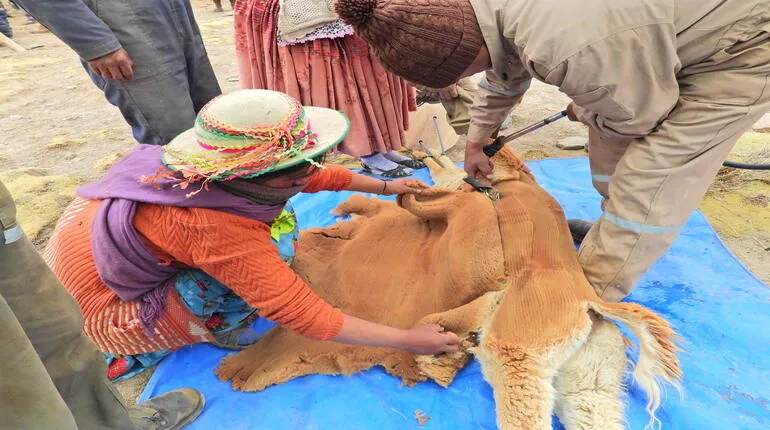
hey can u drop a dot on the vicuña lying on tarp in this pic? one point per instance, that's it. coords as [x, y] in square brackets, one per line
[503, 275]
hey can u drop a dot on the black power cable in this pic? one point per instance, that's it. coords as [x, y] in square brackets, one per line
[746, 166]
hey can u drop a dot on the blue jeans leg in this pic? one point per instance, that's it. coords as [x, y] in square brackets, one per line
[5, 26]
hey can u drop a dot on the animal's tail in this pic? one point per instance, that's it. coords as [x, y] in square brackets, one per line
[657, 350]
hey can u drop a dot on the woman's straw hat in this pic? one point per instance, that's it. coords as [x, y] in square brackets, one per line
[248, 133]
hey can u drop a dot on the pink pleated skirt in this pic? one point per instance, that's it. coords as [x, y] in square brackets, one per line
[335, 73]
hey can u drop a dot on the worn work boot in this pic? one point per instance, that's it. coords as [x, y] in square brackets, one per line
[169, 411]
[579, 229]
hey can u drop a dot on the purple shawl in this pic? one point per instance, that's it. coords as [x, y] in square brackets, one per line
[123, 262]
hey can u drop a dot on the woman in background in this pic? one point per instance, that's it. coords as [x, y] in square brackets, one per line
[307, 53]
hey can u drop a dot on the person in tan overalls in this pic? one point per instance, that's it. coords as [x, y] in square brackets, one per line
[666, 87]
[456, 99]
[51, 375]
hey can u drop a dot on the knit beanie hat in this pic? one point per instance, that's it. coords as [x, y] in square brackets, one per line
[427, 42]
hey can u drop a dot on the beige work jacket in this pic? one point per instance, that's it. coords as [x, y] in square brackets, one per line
[618, 60]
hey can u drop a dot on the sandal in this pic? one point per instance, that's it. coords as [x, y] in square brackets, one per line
[411, 163]
[232, 339]
[398, 172]
[240, 337]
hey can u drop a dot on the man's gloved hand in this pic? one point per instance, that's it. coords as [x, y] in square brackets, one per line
[115, 65]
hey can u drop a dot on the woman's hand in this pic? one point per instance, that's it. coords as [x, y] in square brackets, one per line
[403, 186]
[430, 339]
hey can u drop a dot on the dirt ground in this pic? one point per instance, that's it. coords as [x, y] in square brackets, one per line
[57, 132]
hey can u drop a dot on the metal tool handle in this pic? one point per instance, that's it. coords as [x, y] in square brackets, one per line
[424, 148]
[438, 135]
[492, 148]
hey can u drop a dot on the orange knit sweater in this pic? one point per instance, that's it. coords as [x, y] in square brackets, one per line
[236, 251]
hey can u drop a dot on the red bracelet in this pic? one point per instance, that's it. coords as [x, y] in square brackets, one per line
[384, 186]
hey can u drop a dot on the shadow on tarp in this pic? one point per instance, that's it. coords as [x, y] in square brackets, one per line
[719, 308]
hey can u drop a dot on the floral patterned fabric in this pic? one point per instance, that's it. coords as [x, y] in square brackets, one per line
[218, 307]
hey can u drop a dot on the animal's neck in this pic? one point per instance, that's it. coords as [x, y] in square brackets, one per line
[533, 227]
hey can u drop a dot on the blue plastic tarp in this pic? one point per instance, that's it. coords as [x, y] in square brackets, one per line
[721, 311]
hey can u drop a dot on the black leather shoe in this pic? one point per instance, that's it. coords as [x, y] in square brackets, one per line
[579, 229]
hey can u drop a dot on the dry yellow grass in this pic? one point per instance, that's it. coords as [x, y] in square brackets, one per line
[40, 198]
[738, 202]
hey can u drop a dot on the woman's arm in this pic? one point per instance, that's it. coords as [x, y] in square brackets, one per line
[337, 178]
[368, 184]
[242, 257]
[422, 339]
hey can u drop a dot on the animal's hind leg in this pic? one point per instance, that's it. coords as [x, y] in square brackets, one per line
[522, 386]
[589, 386]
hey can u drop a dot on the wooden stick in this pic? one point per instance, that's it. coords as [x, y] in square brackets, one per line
[5, 40]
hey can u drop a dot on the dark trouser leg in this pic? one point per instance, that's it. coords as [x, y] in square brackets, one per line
[200, 74]
[56, 353]
[29, 397]
[5, 26]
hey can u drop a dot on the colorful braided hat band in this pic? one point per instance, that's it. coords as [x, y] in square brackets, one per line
[248, 133]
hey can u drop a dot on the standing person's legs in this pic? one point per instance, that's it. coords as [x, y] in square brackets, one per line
[661, 178]
[200, 75]
[173, 76]
[51, 375]
[28, 397]
[458, 108]
[604, 154]
[32, 299]
[456, 100]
